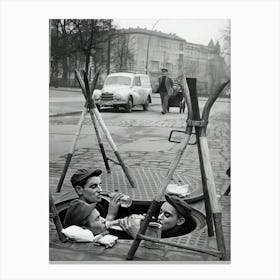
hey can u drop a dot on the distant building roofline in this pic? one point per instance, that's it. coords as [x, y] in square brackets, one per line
[172, 36]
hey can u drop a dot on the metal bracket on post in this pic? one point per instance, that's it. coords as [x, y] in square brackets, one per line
[194, 123]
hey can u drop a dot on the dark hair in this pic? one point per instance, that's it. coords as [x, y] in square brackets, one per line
[83, 182]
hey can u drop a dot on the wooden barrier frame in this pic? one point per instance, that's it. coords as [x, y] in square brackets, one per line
[94, 113]
[209, 189]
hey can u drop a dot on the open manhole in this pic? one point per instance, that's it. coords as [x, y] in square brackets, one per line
[196, 222]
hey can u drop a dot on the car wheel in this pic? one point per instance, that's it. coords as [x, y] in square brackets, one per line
[116, 108]
[146, 104]
[128, 106]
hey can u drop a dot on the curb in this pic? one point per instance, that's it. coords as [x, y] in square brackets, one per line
[77, 112]
[66, 89]
[65, 114]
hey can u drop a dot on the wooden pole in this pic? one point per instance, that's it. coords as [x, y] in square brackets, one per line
[215, 206]
[155, 203]
[209, 175]
[70, 154]
[105, 159]
[109, 48]
[196, 117]
[143, 226]
[114, 147]
[172, 168]
[213, 252]
[56, 219]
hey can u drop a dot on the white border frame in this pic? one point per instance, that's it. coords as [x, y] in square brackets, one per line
[24, 137]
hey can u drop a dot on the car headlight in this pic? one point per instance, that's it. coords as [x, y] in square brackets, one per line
[117, 96]
[97, 96]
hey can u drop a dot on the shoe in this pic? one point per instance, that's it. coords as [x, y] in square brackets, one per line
[163, 113]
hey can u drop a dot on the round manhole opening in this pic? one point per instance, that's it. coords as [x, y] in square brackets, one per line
[195, 222]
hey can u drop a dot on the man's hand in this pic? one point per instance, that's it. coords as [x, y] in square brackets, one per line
[114, 205]
[131, 224]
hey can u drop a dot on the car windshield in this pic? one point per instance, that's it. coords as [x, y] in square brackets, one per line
[118, 80]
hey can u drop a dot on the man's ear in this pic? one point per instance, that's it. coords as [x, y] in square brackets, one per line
[79, 190]
[180, 221]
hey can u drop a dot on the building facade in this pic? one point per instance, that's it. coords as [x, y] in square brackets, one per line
[146, 51]
[154, 50]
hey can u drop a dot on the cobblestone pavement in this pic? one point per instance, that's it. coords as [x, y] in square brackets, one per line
[218, 138]
[142, 138]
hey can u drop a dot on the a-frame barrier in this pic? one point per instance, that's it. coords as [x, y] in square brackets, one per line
[213, 210]
[94, 113]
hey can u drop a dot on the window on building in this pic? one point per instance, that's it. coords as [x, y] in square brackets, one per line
[162, 43]
[154, 65]
[169, 66]
[181, 46]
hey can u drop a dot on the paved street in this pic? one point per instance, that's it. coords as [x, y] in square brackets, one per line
[141, 137]
[142, 140]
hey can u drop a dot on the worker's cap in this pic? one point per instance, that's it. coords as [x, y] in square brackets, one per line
[83, 174]
[164, 70]
[77, 212]
[179, 204]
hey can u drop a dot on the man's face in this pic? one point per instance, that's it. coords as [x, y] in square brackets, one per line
[164, 73]
[96, 222]
[91, 190]
[168, 216]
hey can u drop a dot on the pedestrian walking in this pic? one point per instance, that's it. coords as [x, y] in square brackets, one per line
[165, 89]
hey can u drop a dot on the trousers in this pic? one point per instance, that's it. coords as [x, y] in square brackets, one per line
[164, 101]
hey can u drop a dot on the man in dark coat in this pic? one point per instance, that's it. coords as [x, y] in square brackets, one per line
[165, 89]
[87, 184]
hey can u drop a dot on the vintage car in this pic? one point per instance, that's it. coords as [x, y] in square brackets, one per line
[124, 90]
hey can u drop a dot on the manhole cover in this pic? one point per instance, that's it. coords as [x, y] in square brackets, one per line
[148, 182]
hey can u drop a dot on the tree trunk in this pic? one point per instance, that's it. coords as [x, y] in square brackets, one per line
[87, 63]
[65, 71]
[109, 49]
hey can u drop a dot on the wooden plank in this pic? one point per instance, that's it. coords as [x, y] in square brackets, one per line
[195, 249]
[71, 151]
[196, 117]
[101, 146]
[209, 175]
[172, 168]
[56, 219]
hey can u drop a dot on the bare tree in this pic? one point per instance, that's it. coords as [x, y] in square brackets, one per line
[61, 46]
[122, 54]
[226, 45]
[91, 34]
